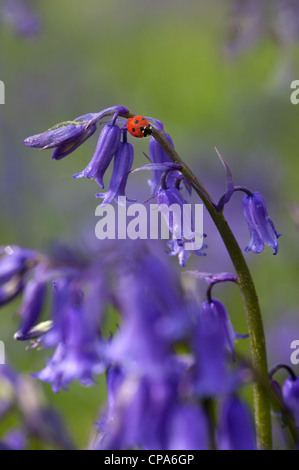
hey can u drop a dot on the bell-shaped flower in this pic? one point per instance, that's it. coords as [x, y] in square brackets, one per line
[78, 355]
[215, 312]
[290, 392]
[32, 305]
[158, 155]
[178, 248]
[122, 164]
[260, 225]
[69, 135]
[107, 146]
[64, 137]
[14, 264]
[236, 429]
[188, 428]
[211, 377]
[171, 204]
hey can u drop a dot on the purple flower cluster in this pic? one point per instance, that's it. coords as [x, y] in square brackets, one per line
[166, 182]
[154, 386]
[172, 359]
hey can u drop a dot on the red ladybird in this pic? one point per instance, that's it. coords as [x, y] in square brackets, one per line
[138, 126]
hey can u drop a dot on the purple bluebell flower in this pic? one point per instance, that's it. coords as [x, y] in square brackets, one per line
[15, 261]
[213, 311]
[146, 412]
[209, 342]
[110, 429]
[65, 137]
[158, 155]
[122, 164]
[151, 301]
[10, 290]
[235, 429]
[177, 248]
[188, 428]
[123, 427]
[180, 221]
[141, 339]
[168, 197]
[32, 304]
[75, 331]
[260, 225]
[68, 136]
[290, 392]
[14, 265]
[22, 18]
[107, 146]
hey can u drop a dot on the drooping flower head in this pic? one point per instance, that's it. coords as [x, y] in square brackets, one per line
[213, 313]
[68, 136]
[158, 155]
[290, 392]
[236, 430]
[122, 165]
[260, 225]
[15, 263]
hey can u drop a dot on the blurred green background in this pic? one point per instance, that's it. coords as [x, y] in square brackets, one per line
[164, 59]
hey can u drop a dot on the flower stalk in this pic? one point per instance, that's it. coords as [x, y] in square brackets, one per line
[248, 292]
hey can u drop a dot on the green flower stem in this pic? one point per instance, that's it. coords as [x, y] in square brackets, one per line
[249, 296]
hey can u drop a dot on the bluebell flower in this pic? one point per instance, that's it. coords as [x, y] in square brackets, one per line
[151, 300]
[141, 339]
[179, 218]
[110, 426]
[171, 196]
[177, 248]
[15, 261]
[78, 355]
[146, 412]
[158, 155]
[188, 428]
[23, 19]
[235, 429]
[213, 311]
[290, 392]
[32, 304]
[68, 136]
[209, 341]
[65, 137]
[14, 264]
[260, 225]
[107, 146]
[122, 164]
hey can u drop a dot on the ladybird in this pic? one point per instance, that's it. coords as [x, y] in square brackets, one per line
[138, 126]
